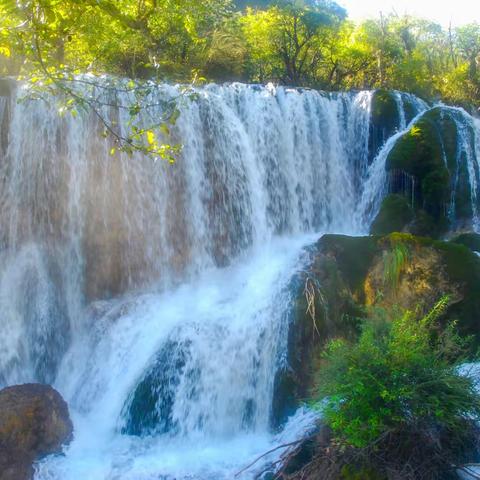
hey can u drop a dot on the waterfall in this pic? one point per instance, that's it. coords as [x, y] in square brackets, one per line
[156, 297]
[257, 162]
[375, 185]
[467, 155]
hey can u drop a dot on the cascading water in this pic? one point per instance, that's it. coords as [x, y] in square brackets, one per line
[156, 297]
[467, 154]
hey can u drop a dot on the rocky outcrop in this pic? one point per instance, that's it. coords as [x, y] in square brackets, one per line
[349, 276]
[34, 422]
[432, 167]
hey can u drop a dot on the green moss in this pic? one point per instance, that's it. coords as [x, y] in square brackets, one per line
[354, 256]
[436, 190]
[470, 240]
[426, 225]
[420, 153]
[419, 150]
[395, 213]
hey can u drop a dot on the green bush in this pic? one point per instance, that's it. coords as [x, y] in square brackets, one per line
[398, 388]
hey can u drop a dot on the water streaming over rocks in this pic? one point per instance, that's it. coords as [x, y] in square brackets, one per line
[155, 297]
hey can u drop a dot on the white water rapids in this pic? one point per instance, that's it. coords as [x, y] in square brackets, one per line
[118, 270]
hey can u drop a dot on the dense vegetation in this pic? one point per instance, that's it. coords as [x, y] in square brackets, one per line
[396, 401]
[294, 42]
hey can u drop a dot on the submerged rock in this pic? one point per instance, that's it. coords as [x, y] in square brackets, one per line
[148, 410]
[34, 422]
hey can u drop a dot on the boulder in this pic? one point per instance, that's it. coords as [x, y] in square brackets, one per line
[34, 422]
[429, 165]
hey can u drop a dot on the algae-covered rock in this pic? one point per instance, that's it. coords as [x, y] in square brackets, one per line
[322, 306]
[419, 153]
[394, 215]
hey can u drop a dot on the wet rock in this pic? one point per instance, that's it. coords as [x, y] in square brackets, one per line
[148, 410]
[385, 120]
[470, 240]
[34, 422]
[434, 155]
[395, 214]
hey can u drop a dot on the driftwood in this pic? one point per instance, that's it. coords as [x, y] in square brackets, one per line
[283, 458]
[407, 455]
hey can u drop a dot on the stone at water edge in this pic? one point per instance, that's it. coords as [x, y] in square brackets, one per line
[34, 422]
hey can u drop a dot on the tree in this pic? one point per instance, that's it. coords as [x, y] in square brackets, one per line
[468, 41]
[285, 41]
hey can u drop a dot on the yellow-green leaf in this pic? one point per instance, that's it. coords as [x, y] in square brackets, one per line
[150, 137]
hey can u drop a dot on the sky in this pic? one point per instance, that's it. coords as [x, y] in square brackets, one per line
[458, 12]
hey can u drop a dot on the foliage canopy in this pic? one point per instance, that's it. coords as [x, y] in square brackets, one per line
[293, 42]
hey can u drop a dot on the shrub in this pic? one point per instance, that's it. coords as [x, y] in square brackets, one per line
[398, 397]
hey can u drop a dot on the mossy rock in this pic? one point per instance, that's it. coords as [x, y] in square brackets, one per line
[384, 120]
[352, 255]
[420, 154]
[394, 215]
[336, 313]
[470, 240]
[426, 225]
[419, 151]
[430, 154]
[463, 269]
